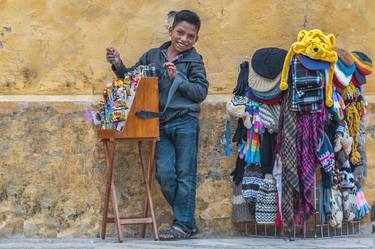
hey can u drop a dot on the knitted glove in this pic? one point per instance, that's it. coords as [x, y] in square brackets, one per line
[237, 173]
[240, 134]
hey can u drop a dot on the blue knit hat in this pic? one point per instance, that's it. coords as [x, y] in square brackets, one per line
[312, 64]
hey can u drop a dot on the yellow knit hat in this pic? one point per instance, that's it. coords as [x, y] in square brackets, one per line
[317, 46]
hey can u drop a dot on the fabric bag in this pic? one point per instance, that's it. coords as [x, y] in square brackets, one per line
[349, 201]
[266, 203]
[336, 216]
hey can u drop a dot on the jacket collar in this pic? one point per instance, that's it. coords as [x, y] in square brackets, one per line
[190, 55]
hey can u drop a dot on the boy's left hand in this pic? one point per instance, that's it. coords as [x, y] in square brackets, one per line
[171, 69]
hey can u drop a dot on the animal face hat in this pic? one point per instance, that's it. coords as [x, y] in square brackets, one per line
[317, 46]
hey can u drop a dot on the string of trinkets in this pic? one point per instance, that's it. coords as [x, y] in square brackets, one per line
[114, 111]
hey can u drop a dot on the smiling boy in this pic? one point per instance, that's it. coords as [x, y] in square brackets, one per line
[182, 87]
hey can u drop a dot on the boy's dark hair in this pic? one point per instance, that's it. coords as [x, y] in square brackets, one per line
[189, 17]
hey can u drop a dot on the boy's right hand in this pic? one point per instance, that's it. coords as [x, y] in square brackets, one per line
[113, 57]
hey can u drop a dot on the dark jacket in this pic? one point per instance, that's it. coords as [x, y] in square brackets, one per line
[186, 92]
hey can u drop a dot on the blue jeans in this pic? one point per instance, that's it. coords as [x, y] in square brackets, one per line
[176, 167]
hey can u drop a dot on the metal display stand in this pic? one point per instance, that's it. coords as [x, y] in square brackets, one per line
[318, 230]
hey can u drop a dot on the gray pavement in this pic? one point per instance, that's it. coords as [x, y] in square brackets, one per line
[217, 243]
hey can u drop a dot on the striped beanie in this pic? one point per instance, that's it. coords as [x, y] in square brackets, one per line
[269, 116]
[251, 181]
[363, 62]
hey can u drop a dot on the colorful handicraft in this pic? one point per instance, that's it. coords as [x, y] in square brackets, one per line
[317, 46]
[118, 99]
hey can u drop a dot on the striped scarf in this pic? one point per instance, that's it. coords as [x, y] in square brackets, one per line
[286, 147]
[310, 129]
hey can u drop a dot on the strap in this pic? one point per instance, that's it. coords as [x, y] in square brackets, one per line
[149, 114]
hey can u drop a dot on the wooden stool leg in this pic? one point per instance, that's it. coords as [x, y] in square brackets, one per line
[108, 158]
[109, 150]
[147, 186]
[116, 213]
[150, 174]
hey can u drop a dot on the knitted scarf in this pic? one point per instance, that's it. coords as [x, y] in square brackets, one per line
[286, 148]
[250, 150]
[353, 119]
[310, 129]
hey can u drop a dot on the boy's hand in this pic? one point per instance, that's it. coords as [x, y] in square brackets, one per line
[113, 57]
[171, 69]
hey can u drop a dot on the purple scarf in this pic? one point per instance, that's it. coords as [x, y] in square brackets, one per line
[310, 128]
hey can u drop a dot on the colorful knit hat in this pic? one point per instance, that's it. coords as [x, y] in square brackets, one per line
[251, 181]
[344, 56]
[358, 78]
[317, 46]
[341, 77]
[347, 70]
[269, 95]
[265, 68]
[312, 64]
[363, 62]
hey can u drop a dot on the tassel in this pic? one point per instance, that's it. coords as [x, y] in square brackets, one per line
[227, 136]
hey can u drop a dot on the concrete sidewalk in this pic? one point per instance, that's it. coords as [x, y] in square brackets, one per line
[211, 243]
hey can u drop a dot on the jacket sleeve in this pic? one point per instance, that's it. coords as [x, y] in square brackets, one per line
[195, 85]
[123, 69]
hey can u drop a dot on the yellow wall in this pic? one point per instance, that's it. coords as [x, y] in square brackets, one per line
[58, 47]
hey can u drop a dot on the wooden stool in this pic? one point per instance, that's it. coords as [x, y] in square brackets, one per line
[142, 131]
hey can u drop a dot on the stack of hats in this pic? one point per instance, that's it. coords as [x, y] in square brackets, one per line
[264, 75]
[344, 69]
[363, 68]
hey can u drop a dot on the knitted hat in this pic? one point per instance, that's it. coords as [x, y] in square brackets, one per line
[274, 101]
[268, 62]
[347, 70]
[266, 205]
[269, 95]
[363, 62]
[251, 181]
[269, 116]
[240, 209]
[261, 84]
[341, 77]
[358, 78]
[317, 46]
[312, 64]
[344, 56]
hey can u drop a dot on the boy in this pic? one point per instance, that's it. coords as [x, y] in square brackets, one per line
[182, 87]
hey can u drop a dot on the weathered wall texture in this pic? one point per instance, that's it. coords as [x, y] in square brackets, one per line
[52, 173]
[51, 166]
[58, 47]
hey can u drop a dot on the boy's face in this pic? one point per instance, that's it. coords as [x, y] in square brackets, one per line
[183, 36]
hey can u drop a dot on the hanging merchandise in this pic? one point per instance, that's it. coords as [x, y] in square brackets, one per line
[286, 148]
[317, 46]
[337, 215]
[264, 75]
[251, 181]
[266, 202]
[363, 207]
[349, 202]
[250, 150]
[240, 210]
